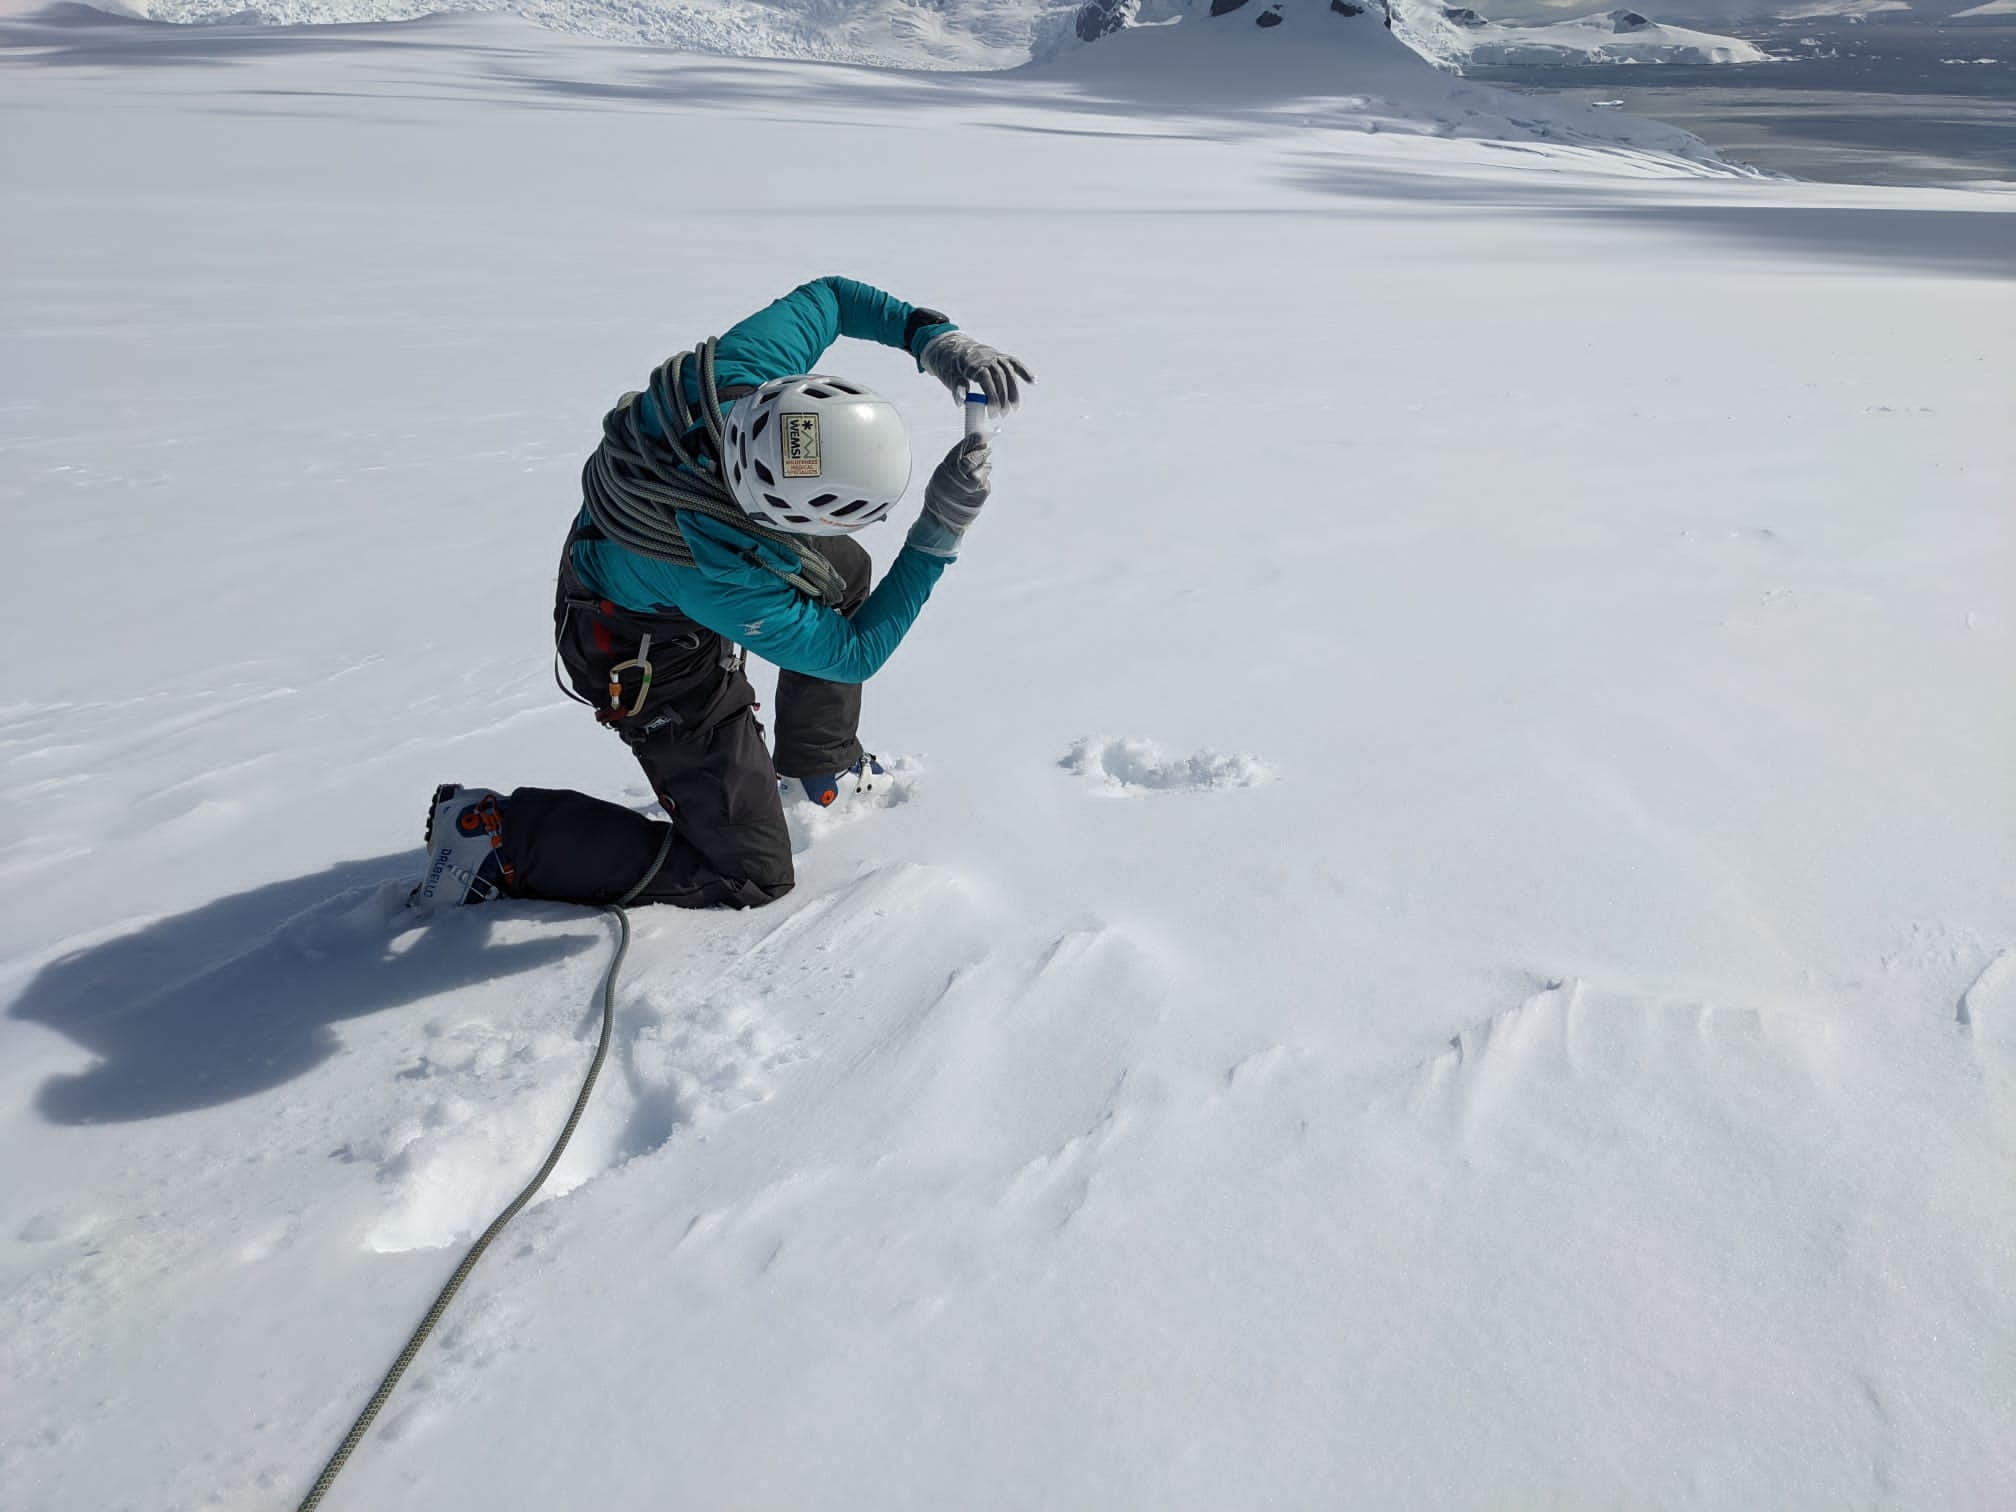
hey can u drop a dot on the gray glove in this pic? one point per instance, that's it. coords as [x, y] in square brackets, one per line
[962, 364]
[953, 497]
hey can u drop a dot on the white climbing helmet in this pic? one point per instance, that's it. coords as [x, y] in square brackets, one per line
[815, 455]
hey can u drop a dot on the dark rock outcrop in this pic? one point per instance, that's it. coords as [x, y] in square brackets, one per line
[1100, 18]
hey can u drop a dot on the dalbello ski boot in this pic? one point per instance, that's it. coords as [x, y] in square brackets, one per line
[465, 848]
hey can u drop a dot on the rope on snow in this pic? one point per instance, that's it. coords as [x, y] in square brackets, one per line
[385, 1387]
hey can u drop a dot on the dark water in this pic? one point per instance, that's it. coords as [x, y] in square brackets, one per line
[1874, 103]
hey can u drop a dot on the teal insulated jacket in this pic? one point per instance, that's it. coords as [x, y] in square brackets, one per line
[725, 592]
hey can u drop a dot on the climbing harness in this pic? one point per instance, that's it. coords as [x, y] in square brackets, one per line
[635, 483]
[385, 1387]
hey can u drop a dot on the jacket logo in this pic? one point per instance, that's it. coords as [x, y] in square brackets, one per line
[801, 445]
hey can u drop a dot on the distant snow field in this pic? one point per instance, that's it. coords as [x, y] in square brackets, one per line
[1460, 35]
[1439, 928]
[1854, 10]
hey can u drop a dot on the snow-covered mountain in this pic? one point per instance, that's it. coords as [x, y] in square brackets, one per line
[1342, 49]
[1458, 35]
[1335, 60]
[984, 34]
[965, 34]
[1711, 15]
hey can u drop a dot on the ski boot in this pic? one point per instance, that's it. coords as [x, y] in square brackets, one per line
[824, 791]
[465, 848]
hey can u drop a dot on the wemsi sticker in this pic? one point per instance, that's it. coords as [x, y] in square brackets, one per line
[801, 446]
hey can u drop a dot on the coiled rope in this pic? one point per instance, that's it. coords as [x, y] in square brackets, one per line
[636, 482]
[385, 1387]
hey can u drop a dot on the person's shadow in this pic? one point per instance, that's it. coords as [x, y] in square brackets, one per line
[237, 996]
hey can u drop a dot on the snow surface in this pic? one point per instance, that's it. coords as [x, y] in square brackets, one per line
[1442, 935]
[1990, 8]
[1854, 9]
[1458, 35]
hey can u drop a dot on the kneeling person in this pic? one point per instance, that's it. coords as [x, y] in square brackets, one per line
[648, 636]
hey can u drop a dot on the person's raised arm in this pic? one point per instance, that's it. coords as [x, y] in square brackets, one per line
[790, 335]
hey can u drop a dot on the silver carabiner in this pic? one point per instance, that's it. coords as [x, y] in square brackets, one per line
[642, 661]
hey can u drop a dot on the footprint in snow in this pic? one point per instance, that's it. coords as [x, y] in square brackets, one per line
[488, 1099]
[1129, 766]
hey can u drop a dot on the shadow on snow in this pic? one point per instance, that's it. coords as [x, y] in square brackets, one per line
[238, 996]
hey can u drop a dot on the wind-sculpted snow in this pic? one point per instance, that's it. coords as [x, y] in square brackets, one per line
[1579, 1074]
[1988, 1007]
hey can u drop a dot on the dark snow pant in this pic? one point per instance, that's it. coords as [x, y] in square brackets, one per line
[697, 738]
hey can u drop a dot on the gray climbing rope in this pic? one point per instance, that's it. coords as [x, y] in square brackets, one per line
[636, 482]
[385, 1387]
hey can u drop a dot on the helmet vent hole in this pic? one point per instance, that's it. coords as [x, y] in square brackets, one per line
[761, 421]
[797, 520]
[775, 503]
[848, 509]
[816, 393]
[845, 388]
[742, 446]
[821, 502]
[764, 473]
[875, 514]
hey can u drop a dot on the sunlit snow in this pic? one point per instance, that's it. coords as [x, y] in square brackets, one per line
[1442, 929]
